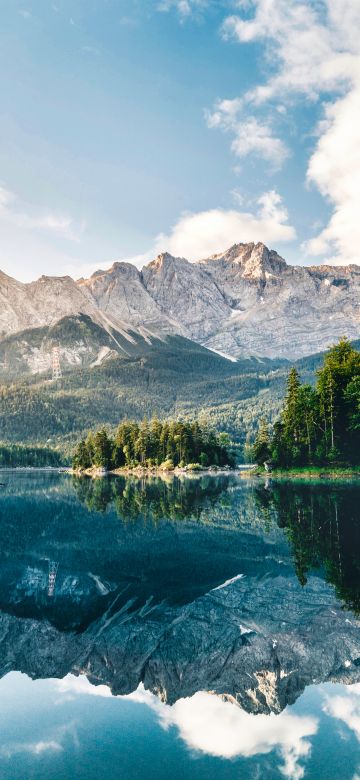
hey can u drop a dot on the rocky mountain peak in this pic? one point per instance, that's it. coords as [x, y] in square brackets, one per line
[44, 279]
[253, 260]
[164, 261]
[261, 261]
[236, 253]
[5, 279]
[119, 269]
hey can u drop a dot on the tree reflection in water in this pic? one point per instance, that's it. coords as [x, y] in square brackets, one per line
[322, 523]
[151, 499]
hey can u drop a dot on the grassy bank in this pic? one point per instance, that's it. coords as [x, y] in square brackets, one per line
[310, 472]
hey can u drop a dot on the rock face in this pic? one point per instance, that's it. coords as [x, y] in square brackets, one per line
[120, 295]
[245, 301]
[190, 295]
[279, 310]
[40, 303]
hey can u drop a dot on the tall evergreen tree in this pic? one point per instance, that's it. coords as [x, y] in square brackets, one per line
[261, 448]
[291, 417]
[103, 447]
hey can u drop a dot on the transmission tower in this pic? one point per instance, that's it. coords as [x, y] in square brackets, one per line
[53, 567]
[56, 367]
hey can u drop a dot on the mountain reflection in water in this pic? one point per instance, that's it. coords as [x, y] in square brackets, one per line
[185, 587]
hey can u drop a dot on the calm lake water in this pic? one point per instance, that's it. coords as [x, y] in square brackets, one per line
[203, 628]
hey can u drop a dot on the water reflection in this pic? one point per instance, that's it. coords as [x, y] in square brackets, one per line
[212, 726]
[183, 587]
[49, 730]
[322, 523]
[147, 544]
[154, 498]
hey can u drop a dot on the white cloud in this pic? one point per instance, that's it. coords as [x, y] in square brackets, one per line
[218, 728]
[185, 8]
[250, 136]
[199, 235]
[82, 686]
[272, 207]
[238, 196]
[36, 748]
[308, 45]
[346, 708]
[48, 221]
[194, 236]
[335, 169]
[312, 51]
[212, 726]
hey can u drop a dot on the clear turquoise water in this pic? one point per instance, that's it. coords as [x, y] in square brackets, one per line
[152, 584]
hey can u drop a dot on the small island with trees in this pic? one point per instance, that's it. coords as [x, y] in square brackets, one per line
[154, 445]
[319, 427]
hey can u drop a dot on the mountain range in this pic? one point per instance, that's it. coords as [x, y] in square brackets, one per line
[173, 338]
[246, 301]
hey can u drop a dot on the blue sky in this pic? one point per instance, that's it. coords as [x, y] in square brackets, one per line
[133, 126]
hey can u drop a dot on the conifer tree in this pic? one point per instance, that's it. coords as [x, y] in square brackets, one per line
[291, 416]
[102, 449]
[261, 447]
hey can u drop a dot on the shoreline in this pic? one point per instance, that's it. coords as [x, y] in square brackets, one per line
[321, 474]
[56, 469]
[242, 472]
[140, 471]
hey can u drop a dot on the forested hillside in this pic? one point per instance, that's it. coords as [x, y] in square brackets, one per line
[172, 378]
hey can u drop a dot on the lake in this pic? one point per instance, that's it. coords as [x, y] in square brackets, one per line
[203, 628]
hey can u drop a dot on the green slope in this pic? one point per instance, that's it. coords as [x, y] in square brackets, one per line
[171, 377]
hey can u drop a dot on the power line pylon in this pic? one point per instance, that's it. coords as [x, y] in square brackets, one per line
[53, 567]
[56, 366]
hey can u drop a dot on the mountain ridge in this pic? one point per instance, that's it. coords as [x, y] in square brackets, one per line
[244, 301]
